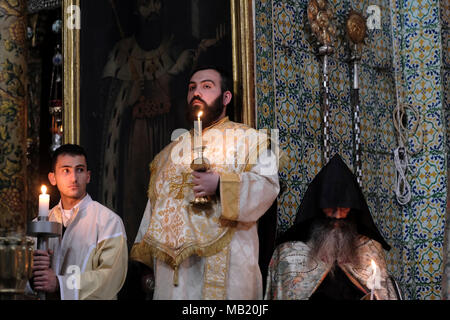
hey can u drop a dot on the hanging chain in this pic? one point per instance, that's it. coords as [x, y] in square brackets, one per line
[326, 112]
[356, 31]
[357, 145]
[356, 120]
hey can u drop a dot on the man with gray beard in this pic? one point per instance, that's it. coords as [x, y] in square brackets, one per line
[333, 241]
[330, 251]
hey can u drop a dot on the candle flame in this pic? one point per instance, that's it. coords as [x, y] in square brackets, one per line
[374, 265]
[44, 189]
[200, 114]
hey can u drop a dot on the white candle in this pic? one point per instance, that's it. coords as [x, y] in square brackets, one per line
[374, 281]
[199, 123]
[44, 202]
[374, 267]
[198, 133]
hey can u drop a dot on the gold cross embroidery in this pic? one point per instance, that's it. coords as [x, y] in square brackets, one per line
[180, 186]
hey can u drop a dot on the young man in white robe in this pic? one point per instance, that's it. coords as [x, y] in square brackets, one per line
[210, 251]
[89, 260]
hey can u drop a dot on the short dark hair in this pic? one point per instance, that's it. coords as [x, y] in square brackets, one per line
[70, 149]
[225, 79]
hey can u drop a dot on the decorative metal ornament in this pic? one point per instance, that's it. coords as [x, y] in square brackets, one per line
[30, 33]
[201, 164]
[55, 100]
[16, 259]
[320, 19]
[57, 26]
[356, 27]
[356, 31]
[57, 59]
[38, 5]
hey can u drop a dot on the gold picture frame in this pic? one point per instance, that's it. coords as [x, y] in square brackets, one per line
[243, 67]
[71, 78]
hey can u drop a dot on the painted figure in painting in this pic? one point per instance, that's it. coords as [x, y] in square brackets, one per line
[143, 77]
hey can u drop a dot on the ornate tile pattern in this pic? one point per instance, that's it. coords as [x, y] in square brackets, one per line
[421, 53]
[445, 70]
[13, 108]
[288, 89]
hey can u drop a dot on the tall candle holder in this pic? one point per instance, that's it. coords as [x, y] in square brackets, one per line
[43, 229]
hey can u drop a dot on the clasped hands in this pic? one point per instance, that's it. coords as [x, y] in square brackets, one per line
[205, 183]
[44, 278]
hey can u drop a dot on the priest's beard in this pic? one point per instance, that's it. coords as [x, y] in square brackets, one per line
[333, 240]
[210, 112]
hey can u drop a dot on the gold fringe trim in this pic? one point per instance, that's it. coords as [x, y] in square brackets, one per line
[175, 277]
[145, 252]
[138, 253]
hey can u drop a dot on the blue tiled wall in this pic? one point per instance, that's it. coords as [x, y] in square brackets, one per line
[288, 93]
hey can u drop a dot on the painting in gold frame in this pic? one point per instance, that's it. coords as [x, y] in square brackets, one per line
[242, 62]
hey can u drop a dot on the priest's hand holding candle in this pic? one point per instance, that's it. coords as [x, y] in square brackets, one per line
[44, 202]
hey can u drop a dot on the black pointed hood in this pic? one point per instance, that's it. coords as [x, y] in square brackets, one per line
[334, 186]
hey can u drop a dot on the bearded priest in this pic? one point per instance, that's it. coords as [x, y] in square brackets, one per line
[208, 250]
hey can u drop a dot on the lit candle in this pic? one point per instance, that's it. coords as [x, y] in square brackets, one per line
[198, 133]
[374, 280]
[44, 202]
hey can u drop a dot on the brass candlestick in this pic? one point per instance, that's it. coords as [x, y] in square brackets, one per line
[201, 164]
